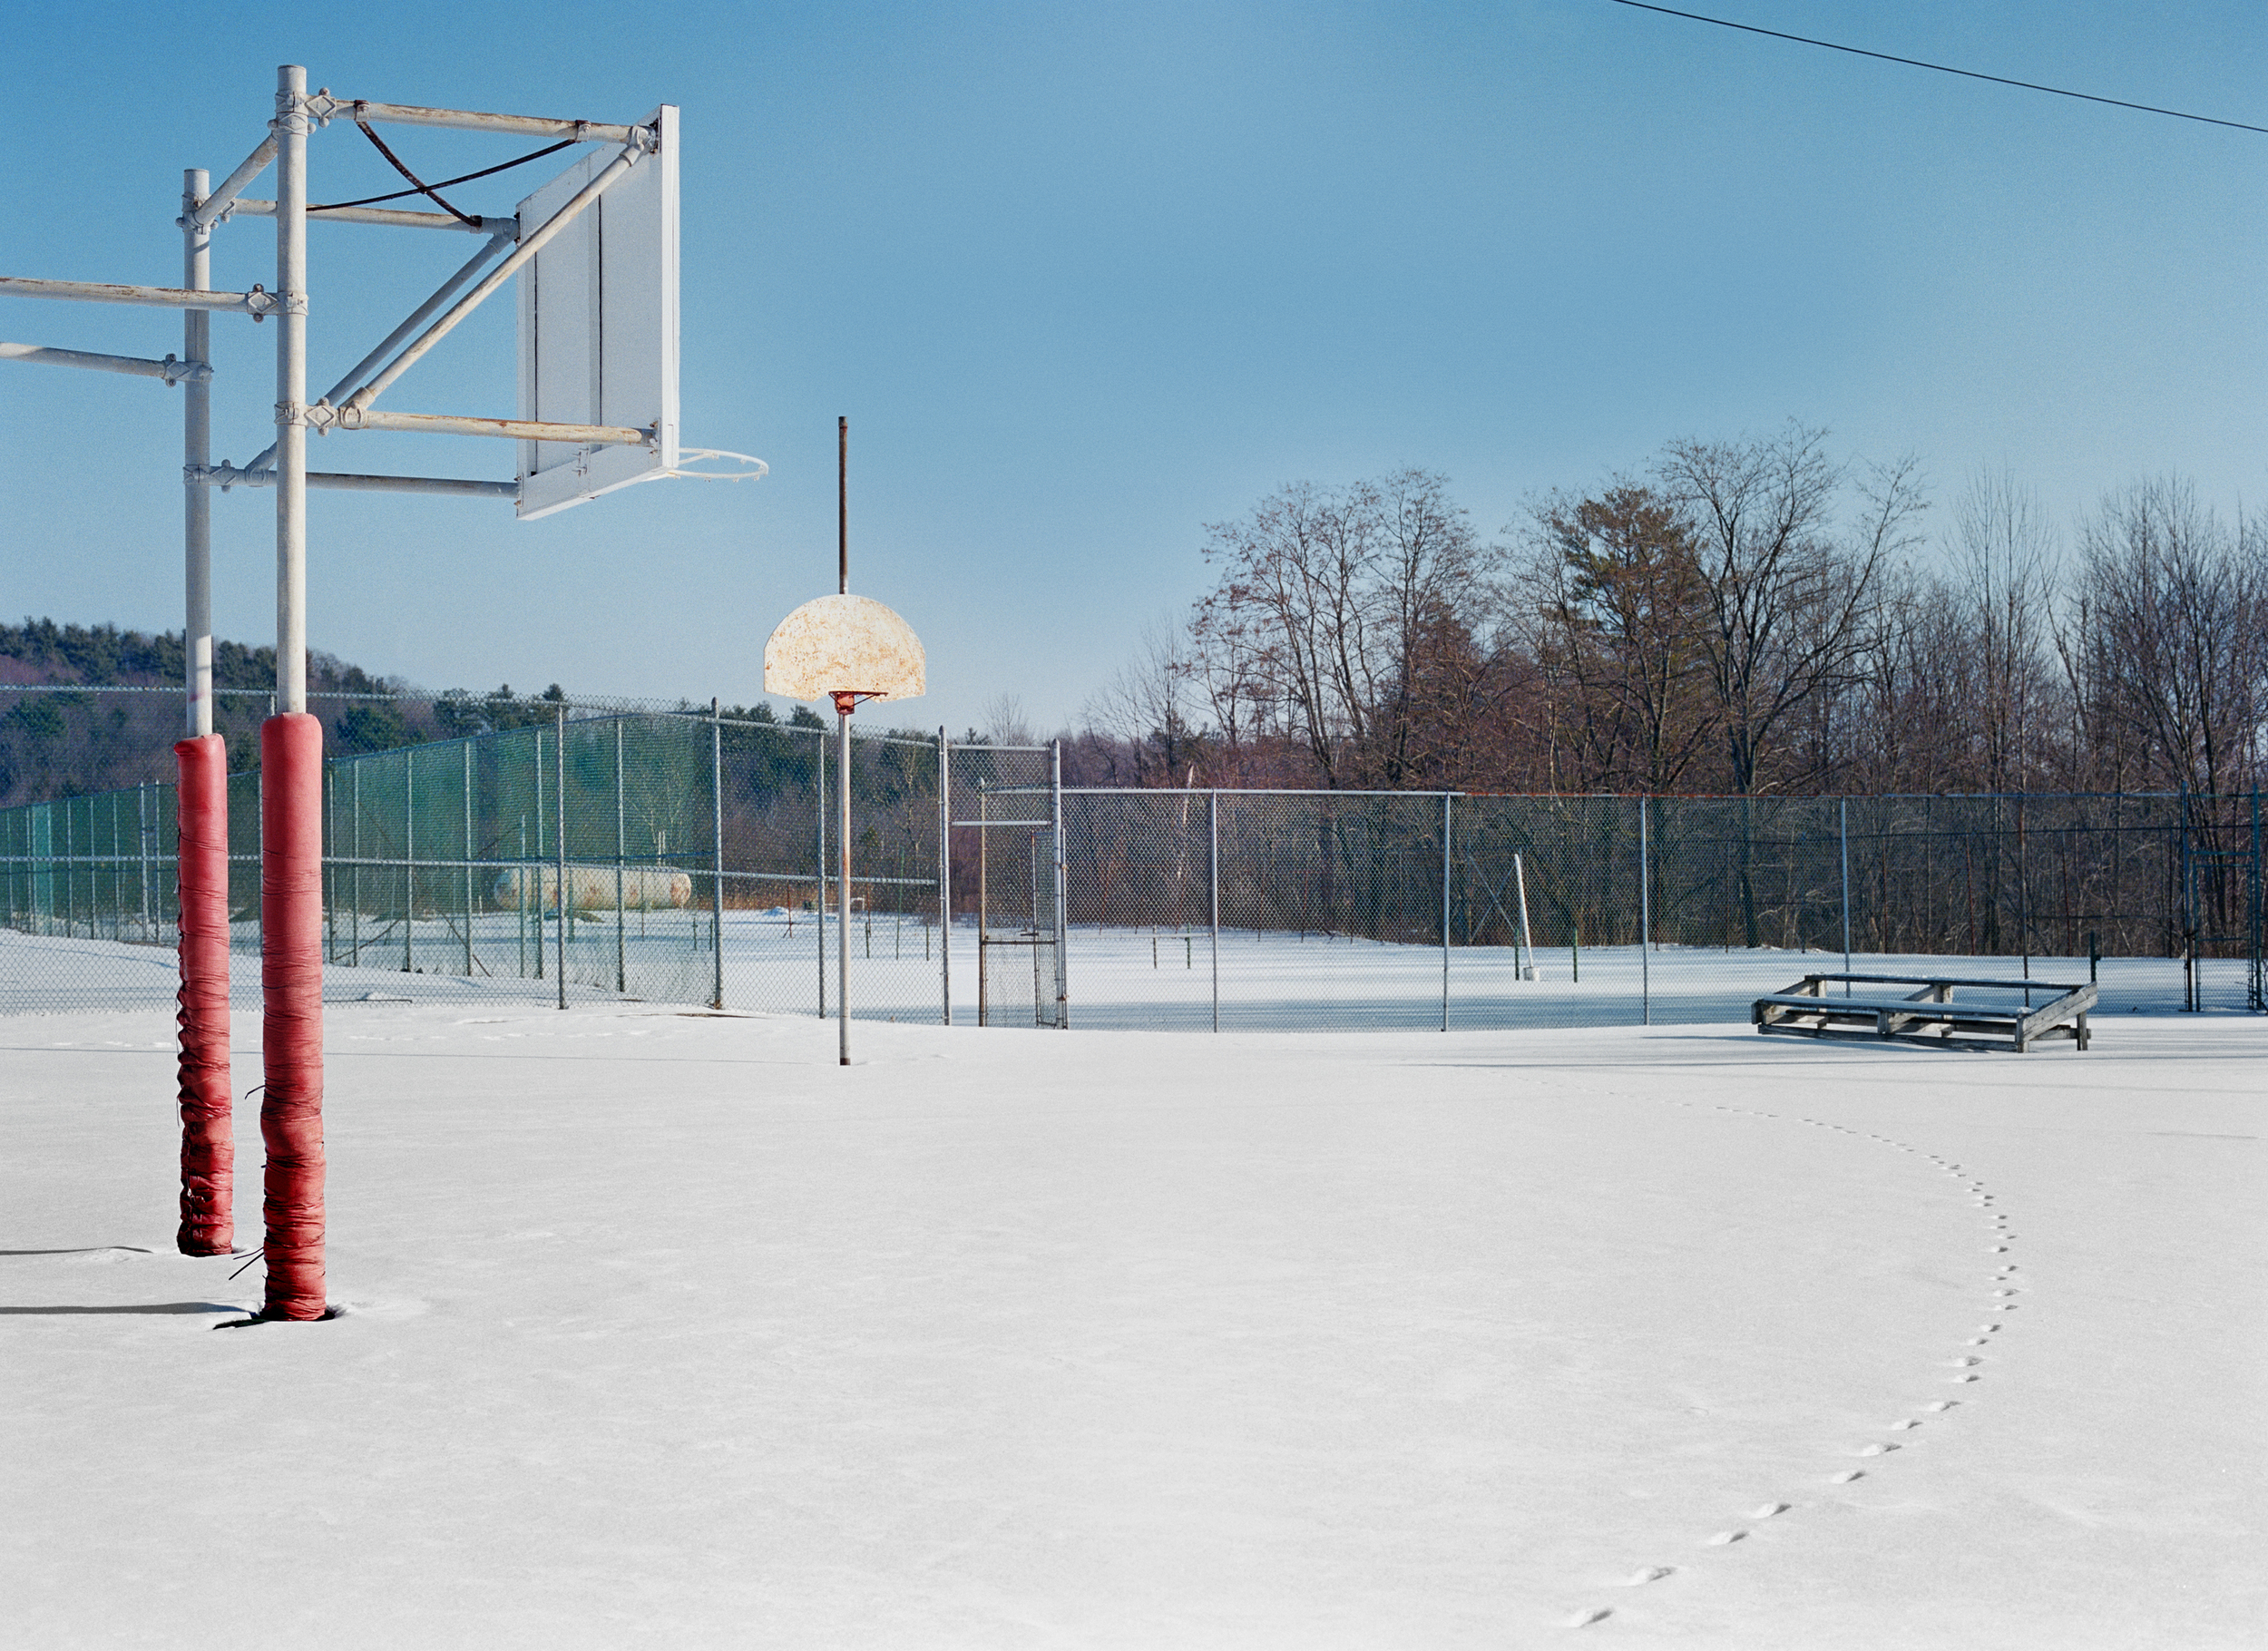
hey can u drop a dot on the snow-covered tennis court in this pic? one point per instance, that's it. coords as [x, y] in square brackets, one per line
[665, 1331]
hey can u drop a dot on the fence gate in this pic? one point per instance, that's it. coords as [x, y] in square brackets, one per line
[1017, 822]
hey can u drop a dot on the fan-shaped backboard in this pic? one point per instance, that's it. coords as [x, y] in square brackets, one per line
[845, 644]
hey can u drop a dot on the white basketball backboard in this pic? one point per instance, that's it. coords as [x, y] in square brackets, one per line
[598, 326]
[845, 644]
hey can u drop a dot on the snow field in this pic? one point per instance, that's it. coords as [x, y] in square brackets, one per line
[665, 1330]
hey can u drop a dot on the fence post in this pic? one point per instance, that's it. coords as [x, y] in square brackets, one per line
[1645, 925]
[1447, 826]
[820, 912]
[1212, 873]
[354, 873]
[945, 874]
[1063, 922]
[409, 853]
[468, 859]
[558, 847]
[1845, 828]
[717, 851]
[621, 842]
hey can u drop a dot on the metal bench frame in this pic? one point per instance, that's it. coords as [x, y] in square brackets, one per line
[1928, 1016]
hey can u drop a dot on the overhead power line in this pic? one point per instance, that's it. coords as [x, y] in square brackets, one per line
[1916, 63]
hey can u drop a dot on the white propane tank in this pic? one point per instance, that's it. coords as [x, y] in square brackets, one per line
[590, 888]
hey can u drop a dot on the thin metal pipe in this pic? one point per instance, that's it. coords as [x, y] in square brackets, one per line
[1844, 827]
[622, 850]
[716, 853]
[388, 217]
[820, 815]
[228, 475]
[409, 859]
[472, 119]
[195, 453]
[1061, 897]
[558, 845]
[468, 859]
[1447, 826]
[417, 318]
[842, 507]
[255, 303]
[843, 891]
[984, 905]
[353, 418]
[291, 389]
[1212, 873]
[184, 371]
[1646, 926]
[528, 247]
[215, 205]
[944, 872]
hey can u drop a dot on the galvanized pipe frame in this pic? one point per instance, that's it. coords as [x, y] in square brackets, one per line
[171, 369]
[256, 302]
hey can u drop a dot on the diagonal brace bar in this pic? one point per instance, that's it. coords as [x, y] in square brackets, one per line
[528, 247]
[215, 205]
[417, 318]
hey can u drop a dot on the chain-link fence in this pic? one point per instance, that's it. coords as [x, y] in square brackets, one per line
[686, 857]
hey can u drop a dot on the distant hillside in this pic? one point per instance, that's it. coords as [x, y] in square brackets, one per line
[66, 744]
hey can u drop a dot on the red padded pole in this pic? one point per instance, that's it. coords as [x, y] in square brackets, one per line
[207, 1126]
[291, 987]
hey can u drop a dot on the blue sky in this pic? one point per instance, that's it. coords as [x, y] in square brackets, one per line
[1085, 278]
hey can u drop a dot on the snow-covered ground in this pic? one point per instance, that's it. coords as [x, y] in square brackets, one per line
[664, 1329]
[1119, 978]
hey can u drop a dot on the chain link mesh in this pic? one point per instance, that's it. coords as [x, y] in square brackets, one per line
[676, 856]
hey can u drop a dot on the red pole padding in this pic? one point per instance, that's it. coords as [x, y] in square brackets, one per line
[207, 1129]
[291, 985]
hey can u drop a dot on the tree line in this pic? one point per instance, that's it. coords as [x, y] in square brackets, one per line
[1746, 617]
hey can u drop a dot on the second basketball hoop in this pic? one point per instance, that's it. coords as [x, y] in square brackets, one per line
[847, 649]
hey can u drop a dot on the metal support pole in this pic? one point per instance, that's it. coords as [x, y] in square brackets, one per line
[1212, 876]
[291, 389]
[1062, 901]
[983, 904]
[354, 875]
[843, 891]
[821, 925]
[468, 859]
[944, 872]
[1447, 826]
[559, 848]
[409, 857]
[1645, 925]
[197, 452]
[1845, 828]
[717, 854]
[529, 872]
[622, 849]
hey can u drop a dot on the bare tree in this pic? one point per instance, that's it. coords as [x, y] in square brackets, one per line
[2167, 645]
[1790, 598]
[1327, 604]
[2004, 568]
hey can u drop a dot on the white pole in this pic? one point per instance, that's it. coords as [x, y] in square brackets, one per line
[1212, 876]
[1527, 948]
[291, 388]
[944, 872]
[195, 453]
[1646, 926]
[1447, 826]
[842, 893]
